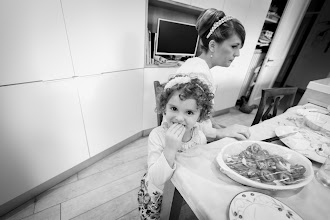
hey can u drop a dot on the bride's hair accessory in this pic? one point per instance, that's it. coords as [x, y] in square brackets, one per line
[218, 23]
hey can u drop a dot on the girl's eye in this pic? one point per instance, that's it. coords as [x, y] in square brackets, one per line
[173, 108]
[190, 113]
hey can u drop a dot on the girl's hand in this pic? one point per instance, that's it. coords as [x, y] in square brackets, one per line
[173, 136]
[239, 132]
[173, 142]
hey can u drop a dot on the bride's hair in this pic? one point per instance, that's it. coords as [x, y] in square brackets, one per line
[205, 22]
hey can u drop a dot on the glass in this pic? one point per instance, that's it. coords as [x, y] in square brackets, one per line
[323, 174]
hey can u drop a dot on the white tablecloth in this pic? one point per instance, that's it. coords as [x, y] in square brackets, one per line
[209, 192]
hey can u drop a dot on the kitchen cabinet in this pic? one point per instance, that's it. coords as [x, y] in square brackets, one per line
[111, 105]
[33, 42]
[41, 135]
[47, 129]
[105, 35]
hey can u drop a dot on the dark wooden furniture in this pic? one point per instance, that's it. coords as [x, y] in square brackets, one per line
[158, 89]
[271, 100]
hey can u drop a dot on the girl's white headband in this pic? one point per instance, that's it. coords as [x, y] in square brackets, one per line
[217, 24]
[185, 79]
[177, 80]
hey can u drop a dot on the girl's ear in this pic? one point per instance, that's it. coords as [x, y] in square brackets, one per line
[212, 46]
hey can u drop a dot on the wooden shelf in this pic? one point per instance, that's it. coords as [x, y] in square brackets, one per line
[160, 66]
[268, 20]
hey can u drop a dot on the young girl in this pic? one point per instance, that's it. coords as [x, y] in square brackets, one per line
[184, 102]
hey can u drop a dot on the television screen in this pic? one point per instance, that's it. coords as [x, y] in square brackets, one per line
[176, 38]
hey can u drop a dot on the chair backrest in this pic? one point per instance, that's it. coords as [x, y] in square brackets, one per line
[158, 89]
[272, 98]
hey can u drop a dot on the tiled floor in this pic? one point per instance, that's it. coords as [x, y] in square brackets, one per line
[107, 189]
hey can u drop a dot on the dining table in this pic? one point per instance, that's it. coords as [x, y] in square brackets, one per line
[209, 192]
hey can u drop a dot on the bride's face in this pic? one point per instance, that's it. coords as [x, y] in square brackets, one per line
[225, 52]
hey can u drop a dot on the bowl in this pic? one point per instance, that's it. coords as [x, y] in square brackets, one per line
[291, 156]
[317, 121]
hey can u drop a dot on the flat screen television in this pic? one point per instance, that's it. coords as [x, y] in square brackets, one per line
[176, 38]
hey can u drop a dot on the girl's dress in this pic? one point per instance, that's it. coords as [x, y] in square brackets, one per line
[150, 194]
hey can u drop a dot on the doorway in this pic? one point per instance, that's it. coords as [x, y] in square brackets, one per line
[265, 39]
[312, 49]
[291, 13]
[299, 40]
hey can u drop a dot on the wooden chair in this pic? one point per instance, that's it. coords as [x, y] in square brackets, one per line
[271, 99]
[158, 89]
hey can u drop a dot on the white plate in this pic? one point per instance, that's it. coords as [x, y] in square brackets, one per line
[317, 121]
[257, 206]
[305, 141]
[291, 156]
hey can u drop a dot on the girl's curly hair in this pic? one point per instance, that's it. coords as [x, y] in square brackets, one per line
[195, 89]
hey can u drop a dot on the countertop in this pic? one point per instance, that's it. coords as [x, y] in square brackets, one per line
[321, 85]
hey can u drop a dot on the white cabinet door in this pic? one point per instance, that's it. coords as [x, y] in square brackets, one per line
[149, 101]
[112, 107]
[105, 35]
[33, 41]
[218, 4]
[41, 135]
